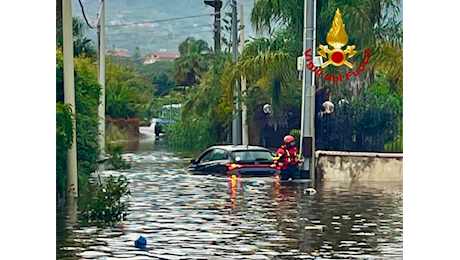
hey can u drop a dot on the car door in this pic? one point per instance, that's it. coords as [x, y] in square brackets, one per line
[217, 161]
[203, 161]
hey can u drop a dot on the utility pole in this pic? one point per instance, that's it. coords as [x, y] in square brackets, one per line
[245, 137]
[307, 140]
[236, 126]
[101, 79]
[217, 6]
[69, 95]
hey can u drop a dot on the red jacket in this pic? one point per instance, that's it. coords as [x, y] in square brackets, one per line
[287, 156]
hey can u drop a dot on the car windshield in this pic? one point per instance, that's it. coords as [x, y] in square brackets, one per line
[252, 156]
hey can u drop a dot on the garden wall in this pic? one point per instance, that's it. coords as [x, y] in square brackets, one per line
[128, 127]
[356, 166]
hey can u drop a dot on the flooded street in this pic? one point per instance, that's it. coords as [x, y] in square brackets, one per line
[186, 216]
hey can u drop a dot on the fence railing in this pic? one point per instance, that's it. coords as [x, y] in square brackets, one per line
[351, 130]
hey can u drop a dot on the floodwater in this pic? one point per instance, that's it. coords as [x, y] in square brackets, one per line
[185, 216]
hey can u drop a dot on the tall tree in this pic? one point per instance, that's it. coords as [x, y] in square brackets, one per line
[137, 57]
[193, 61]
[81, 44]
[369, 24]
[266, 63]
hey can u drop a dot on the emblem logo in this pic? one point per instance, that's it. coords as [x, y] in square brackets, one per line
[337, 38]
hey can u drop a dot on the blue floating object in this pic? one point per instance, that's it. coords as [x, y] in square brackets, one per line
[140, 242]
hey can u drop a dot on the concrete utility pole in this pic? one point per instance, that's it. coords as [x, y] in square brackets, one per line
[217, 6]
[307, 140]
[69, 95]
[101, 79]
[236, 126]
[245, 136]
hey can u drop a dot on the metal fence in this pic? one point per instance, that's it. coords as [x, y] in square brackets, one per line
[351, 129]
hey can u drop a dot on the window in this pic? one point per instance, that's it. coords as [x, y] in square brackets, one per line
[206, 157]
[252, 156]
[219, 154]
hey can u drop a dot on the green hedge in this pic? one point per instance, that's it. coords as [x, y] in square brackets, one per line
[87, 92]
[64, 136]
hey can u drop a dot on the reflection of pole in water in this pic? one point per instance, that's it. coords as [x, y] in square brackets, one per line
[233, 181]
[71, 219]
[71, 211]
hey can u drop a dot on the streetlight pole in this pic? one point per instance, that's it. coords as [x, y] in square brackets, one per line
[245, 135]
[236, 126]
[101, 79]
[307, 140]
[69, 95]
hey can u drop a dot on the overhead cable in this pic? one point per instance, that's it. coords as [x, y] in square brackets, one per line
[84, 14]
[163, 20]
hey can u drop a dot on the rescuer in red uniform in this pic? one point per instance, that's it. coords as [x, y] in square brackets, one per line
[288, 157]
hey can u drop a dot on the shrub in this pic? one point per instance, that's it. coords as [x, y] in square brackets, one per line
[87, 92]
[122, 129]
[115, 161]
[104, 205]
[64, 138]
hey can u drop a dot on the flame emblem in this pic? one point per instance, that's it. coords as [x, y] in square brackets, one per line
[337, 38]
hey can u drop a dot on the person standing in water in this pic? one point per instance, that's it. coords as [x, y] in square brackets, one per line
[288, 158]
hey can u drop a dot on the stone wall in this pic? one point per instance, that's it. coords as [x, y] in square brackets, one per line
[353, 166]
[122, 129]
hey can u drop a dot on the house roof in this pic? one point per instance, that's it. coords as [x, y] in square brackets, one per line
[167, 54]
[118, 52]
[160, 54]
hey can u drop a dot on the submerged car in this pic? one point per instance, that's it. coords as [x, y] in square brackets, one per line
[235, 160]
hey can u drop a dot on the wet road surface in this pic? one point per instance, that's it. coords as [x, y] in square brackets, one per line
[187, 216]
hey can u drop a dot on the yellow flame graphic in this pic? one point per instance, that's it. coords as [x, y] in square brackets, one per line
[337, 37]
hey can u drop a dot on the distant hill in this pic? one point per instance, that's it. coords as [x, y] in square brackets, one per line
[155, 36]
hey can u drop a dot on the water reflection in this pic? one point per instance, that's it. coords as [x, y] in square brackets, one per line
[186, 216]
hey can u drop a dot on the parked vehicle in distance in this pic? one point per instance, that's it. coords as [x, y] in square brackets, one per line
[160, 125]
[169, 114]
[236, 160]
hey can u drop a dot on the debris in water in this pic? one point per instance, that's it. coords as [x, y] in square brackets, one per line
[140, 242]
[315, 227]
[309, 191]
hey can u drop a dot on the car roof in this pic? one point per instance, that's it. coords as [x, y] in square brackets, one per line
[232, 148]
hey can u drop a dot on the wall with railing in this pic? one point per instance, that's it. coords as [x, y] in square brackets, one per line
[346, 130]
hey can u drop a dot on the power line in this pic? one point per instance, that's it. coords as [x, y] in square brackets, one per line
[84, 14]
[166, 30]
[108, 42]
[163, 20]
[166, 35]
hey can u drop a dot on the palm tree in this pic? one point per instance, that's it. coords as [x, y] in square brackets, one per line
[81, 44]
[369, 24]
[190, 45]
[193, 62]
[265, 63]
[121, 101]
[269, 15]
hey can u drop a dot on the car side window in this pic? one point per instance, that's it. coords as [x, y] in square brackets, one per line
[219, 154]
[206, 157]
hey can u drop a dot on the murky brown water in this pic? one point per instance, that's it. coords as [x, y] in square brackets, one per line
[207, 217]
